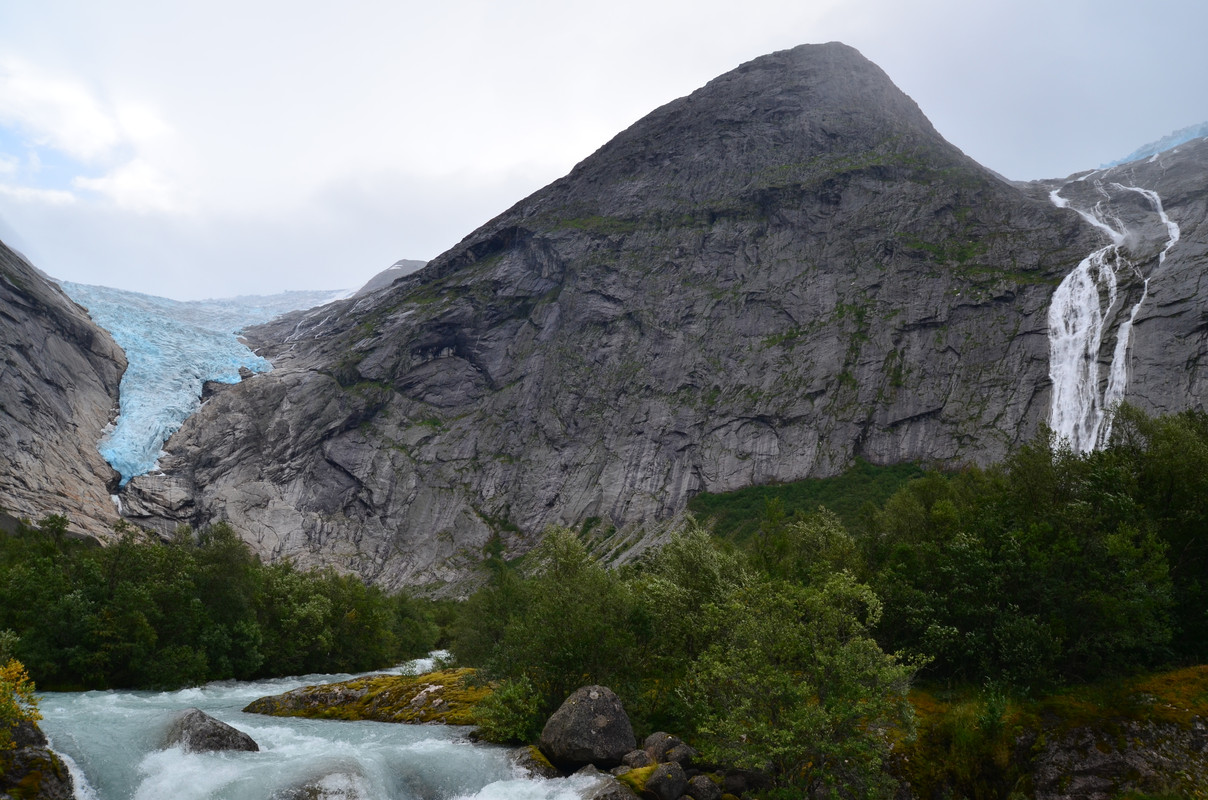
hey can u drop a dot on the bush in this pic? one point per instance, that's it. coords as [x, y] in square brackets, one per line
[511, 714]
[17, 701]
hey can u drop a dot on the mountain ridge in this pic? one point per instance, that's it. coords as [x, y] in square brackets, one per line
[706, 302]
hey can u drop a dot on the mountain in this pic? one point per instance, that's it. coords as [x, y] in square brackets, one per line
[783, 271]
[60, 378]
[389, 275]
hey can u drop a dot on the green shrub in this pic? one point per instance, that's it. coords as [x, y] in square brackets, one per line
[511, 714]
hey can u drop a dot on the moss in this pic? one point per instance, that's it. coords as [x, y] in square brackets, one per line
[636, 778]
[537, 757]
[447, 696]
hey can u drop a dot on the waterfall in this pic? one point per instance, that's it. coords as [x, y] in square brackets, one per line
[1082, 306]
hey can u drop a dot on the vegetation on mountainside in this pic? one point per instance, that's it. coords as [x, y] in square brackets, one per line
[738, 515]
[141, 614]
[792, 650]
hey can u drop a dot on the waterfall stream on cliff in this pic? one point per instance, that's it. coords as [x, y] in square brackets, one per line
[1082, 306]
[113, 742]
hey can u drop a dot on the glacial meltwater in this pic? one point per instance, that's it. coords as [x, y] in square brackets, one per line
[112, 741]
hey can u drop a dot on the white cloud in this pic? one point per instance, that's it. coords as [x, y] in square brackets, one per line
[25, 194]
[55, 112]
[134, 186]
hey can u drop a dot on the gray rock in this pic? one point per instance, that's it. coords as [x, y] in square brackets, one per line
[658, 743]
[667, 782]
[701, 788]
[531, 760]
[590, 727]
[59, 379]
[1158, 758]
[197, 732]
[609, 788]
[681, 754]
[638, 758]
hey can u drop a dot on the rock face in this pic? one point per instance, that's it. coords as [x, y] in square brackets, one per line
[590, 727]
[198, 732]
[58, 390]
[1086, 764]
[759, 282]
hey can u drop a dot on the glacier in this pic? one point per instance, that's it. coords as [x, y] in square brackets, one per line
[173, 347]
[1181, 136]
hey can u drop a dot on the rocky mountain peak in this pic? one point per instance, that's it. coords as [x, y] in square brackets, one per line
[774, 114]
[781, 272]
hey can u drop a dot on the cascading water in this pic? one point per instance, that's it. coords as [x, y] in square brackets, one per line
[1082, 306]
[111, 741]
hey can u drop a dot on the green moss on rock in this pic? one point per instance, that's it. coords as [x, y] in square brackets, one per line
[636, 778]
[446, 696]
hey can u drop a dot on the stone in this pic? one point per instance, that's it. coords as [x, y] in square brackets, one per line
[701, 787]
[681, 754]
[637, 758]
[533, 761]
[658, 743]
[590, 727]
[31, 769]
[197, 732]
[609, 788]
[667, 782]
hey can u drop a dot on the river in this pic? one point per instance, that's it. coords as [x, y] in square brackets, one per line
[112, 742]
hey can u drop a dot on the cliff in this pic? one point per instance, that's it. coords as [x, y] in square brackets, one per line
[60, 375]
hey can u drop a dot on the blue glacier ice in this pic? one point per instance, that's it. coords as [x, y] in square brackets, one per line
[1175, 139]
[174, 347]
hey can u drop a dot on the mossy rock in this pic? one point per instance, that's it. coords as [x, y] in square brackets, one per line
[34, 771]
[447, 696]
[636, 778]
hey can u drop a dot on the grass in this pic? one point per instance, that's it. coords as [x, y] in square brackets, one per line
[736, 515]
[980, 744]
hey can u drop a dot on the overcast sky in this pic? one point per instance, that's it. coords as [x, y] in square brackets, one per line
[206, 149]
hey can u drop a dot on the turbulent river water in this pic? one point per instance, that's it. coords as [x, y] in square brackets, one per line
[112, 741]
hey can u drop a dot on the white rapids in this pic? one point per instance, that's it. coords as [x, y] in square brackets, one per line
[1082, 306]
[112, 744]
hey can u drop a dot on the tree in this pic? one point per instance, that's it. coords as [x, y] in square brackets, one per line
[794, 682]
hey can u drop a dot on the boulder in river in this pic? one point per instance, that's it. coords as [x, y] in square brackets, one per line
[198, 732]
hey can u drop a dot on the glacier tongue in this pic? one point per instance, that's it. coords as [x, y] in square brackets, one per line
[173, 348]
